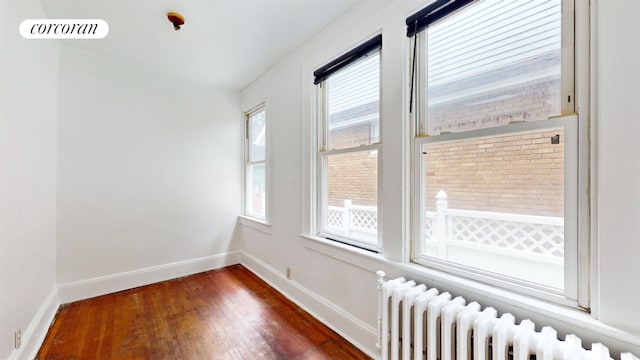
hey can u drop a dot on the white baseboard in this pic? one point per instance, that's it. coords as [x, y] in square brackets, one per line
[360, 334]
[127, 280]
[34, 334]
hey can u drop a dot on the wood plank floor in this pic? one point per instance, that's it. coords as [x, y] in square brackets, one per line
[221, 314]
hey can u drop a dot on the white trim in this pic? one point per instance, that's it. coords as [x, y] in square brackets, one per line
[102, 285]
[363, 259]
[258, 106]
[564, 319]
[325, 311]
[590, 92]
[34, 334]
[255, 223]
[587, 187]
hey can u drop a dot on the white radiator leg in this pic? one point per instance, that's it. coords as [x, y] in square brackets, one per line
[419, 310]
[433, 325]
[524, 340]
[600, 352]
[502, 336]
[381, 298]
[573, 348]
[448, 321]
[408, 302]
[387, 290]
[466, 318]
[482, 329]
[546, 343]
[396, 298]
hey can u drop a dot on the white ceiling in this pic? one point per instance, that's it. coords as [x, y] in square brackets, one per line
[226, 43]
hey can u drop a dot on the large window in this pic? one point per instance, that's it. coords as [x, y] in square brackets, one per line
[348, 159]
[496, 143]
[255, 163]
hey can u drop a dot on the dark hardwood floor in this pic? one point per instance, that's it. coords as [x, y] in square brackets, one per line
[221, 314]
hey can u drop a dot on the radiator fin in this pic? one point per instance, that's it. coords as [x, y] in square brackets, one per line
[417, 322]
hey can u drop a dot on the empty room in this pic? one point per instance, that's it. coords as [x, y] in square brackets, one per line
[319, 179]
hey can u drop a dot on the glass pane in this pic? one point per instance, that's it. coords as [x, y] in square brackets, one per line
[494, 63]
[352, 197]
[497, 204]
[256, 190]
[258, 134]
[353, 96]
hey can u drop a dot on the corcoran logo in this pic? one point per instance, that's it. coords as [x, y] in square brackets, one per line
[64, 29]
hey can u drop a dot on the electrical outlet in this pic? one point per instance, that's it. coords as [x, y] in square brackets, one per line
[288, 273]
[18, 339]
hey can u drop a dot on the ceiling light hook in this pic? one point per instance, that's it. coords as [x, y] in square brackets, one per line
[176, 19]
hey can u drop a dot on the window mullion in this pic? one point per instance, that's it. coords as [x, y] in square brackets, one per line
[374, 146]
[514, 128]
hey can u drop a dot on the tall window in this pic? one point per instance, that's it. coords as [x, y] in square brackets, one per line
[255, 163]
[496, 142]
[349, 142]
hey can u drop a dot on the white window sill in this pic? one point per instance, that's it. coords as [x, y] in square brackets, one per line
[255, 224]
[565, 319]
[353, 255]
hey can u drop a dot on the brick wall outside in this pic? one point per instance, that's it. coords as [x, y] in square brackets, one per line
[351, 136]
[528, 102]
[521, 174]
[352, 176]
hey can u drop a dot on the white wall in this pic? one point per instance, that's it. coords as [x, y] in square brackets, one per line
[28, 85]
[618, 162]
[149, 174]
[339, 286]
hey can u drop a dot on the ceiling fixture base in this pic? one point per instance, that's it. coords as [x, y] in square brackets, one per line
[176, 19]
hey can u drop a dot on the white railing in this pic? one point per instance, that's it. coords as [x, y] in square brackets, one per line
[530, 234]
[476, 238]
[354, 221]
[527, 247]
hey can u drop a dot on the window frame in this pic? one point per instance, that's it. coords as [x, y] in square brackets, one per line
[576, 263]
[321, 162]
[249, 162]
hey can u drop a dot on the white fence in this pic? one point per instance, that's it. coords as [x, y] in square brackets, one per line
[354, 221]
[498, 242]
[538, 235]
[527, 247]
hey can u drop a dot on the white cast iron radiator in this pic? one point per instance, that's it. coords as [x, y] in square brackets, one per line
[417, 323]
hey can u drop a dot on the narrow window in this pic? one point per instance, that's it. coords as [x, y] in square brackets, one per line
[255, 164]
[349, 143]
